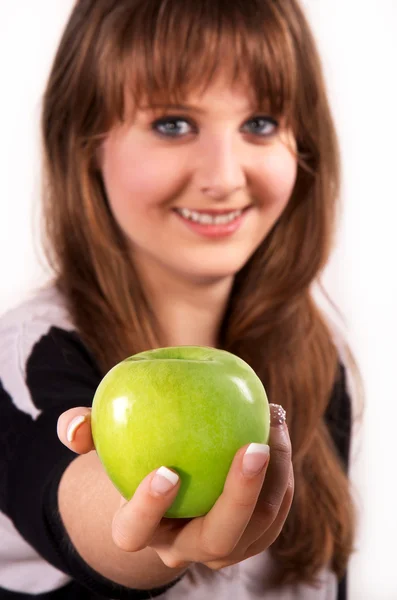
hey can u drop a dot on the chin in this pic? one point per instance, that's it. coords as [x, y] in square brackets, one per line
[215, 272]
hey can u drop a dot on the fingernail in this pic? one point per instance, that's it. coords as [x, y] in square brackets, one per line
[278, 416]
[255, 458]
[163, 481]
[73, 427]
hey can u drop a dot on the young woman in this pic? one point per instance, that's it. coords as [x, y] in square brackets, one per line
[191, 185]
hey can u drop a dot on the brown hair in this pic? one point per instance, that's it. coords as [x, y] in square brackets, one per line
[160, 50]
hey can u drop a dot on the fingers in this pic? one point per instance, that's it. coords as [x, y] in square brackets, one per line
[267, 538]
[275, 497]
[135, 523]
[274, 531]
[220, 530]
[277, 478]
[245, 511]
[248, 515]
[280, 466]
[74, 430]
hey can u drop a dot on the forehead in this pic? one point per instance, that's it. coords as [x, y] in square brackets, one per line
[159, 55]
[224, 92]
[244, 57]
[221, 96]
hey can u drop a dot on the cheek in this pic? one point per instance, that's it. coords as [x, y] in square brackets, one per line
[137, 179]
[277, 180]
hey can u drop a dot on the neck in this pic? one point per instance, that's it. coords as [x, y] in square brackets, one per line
[189, 312]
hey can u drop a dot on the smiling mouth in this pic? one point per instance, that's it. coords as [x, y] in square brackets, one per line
[210, 217]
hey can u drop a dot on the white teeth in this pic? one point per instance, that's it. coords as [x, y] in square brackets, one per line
[207, 219]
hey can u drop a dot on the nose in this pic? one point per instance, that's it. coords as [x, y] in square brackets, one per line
[220, 170]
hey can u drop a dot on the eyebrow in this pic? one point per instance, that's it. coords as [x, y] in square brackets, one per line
[184, 107]
[194, 109]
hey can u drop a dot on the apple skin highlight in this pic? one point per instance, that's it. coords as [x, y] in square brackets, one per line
[188, 408]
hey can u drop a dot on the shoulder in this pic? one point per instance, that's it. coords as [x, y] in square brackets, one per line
[24, 324]
[46, 300]
[41, 352]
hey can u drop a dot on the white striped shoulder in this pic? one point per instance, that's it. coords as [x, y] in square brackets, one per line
[20, 329]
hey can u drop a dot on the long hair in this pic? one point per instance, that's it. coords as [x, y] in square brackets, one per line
[160, 50]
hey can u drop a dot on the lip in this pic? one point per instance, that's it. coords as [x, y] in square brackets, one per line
[214, 211]
[214, 231]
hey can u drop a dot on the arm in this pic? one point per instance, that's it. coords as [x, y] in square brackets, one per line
[93, 533]
[245, 520]
[87, 503]
[43, 373]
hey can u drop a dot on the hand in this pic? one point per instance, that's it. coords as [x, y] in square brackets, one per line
[246, 519]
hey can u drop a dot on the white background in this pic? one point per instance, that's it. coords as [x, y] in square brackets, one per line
[358, 43]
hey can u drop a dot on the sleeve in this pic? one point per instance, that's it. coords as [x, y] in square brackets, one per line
[339, 417]
[59, 373]
[339, 421]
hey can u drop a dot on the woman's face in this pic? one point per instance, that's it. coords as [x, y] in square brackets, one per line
[196, 188]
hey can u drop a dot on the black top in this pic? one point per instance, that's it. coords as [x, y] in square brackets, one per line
[45, 369]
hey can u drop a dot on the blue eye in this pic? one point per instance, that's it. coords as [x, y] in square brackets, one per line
[261, 126]
[172, 127]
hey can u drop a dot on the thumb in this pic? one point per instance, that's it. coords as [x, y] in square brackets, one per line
[74, 430]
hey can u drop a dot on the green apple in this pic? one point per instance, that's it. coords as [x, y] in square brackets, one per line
[189, 408]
